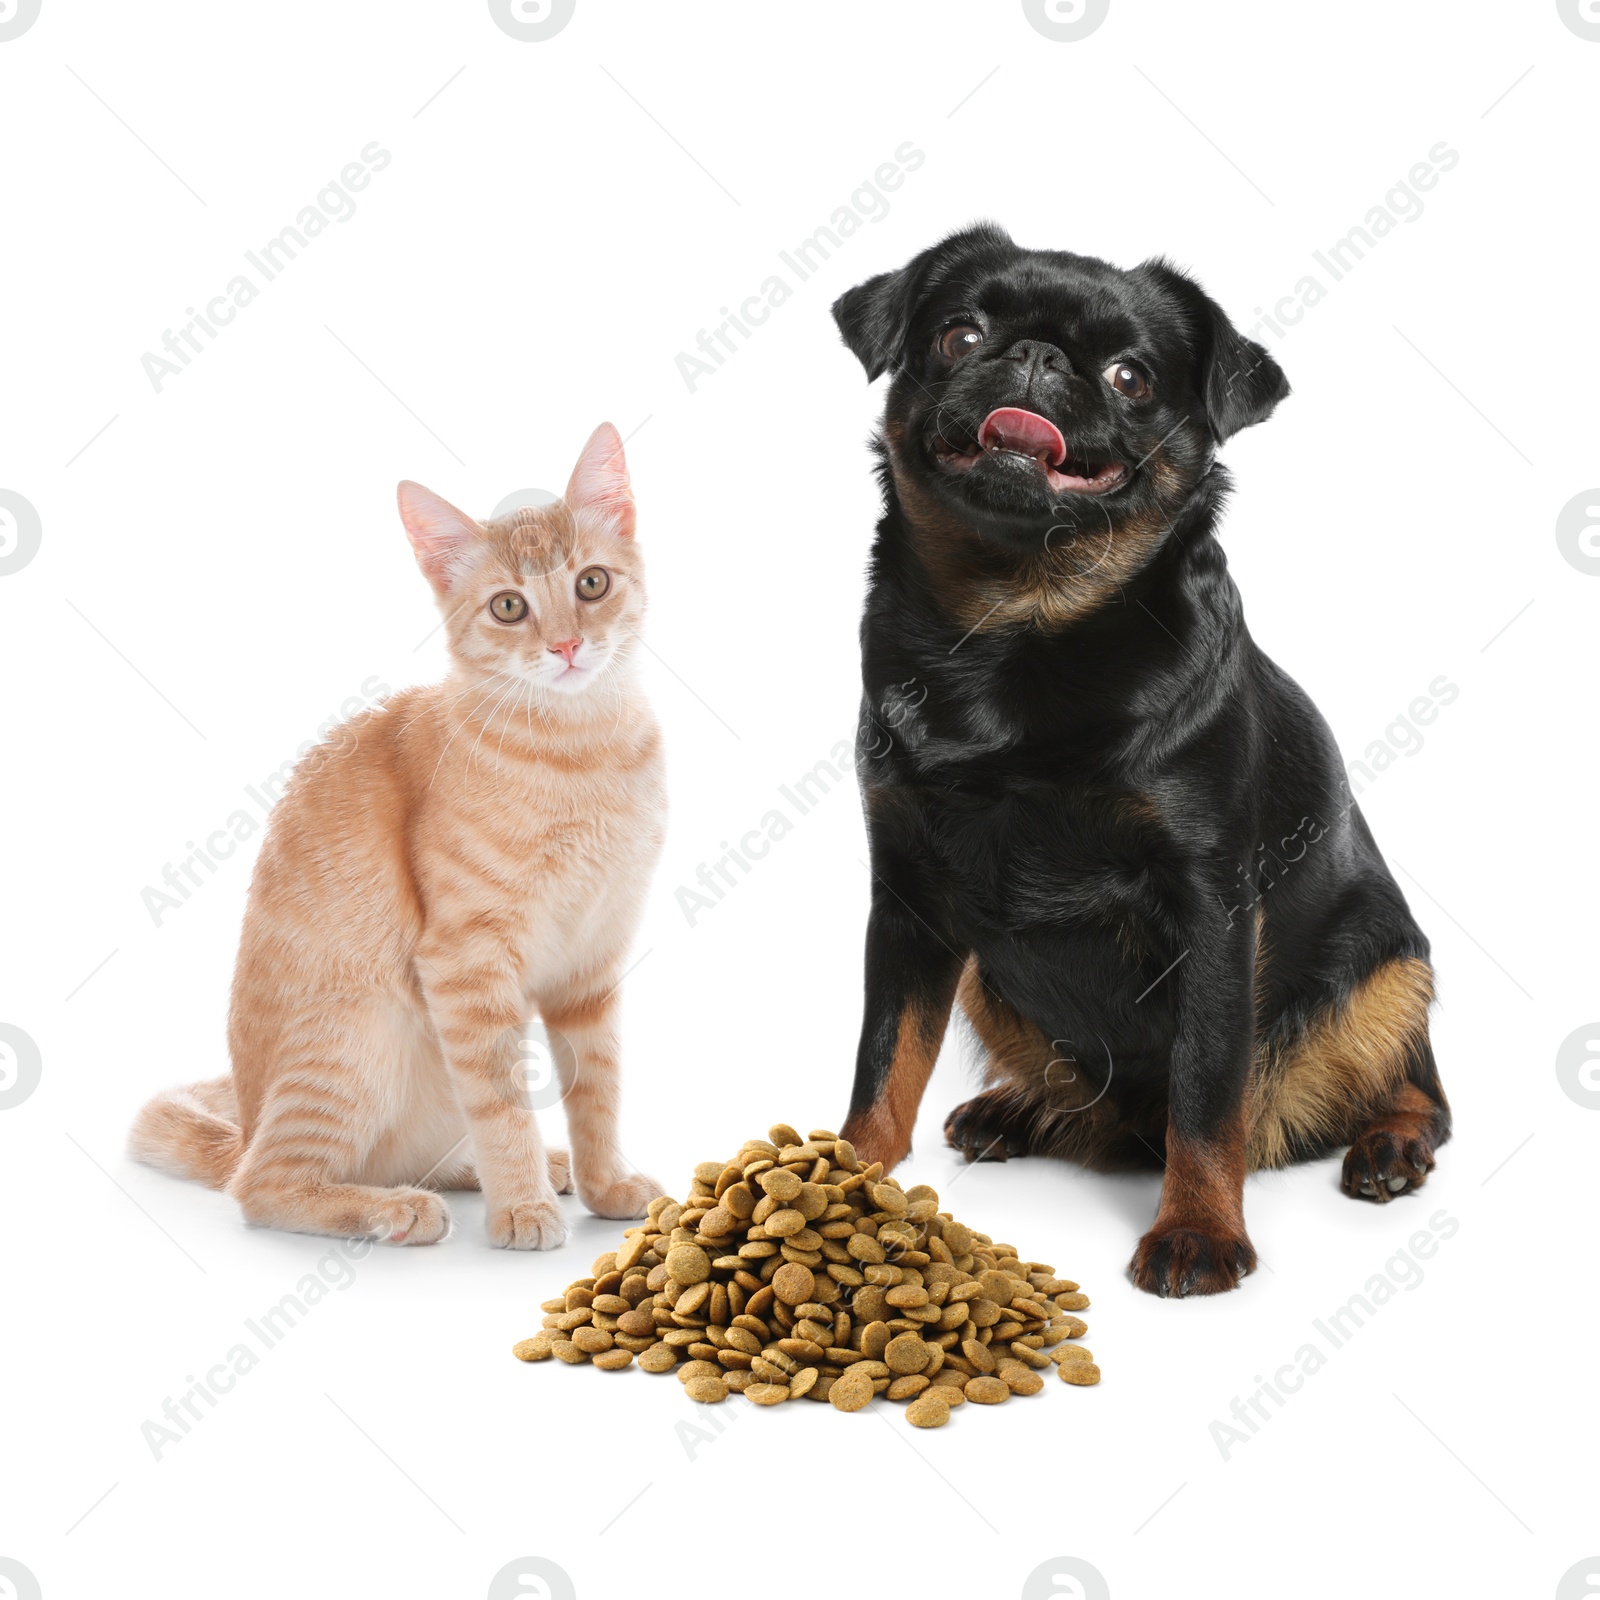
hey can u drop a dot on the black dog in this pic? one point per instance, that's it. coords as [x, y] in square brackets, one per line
[1097, 811]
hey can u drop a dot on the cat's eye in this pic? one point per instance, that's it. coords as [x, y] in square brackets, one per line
[1127, 379]
[508, 606]
[593, 583]
[958, 341]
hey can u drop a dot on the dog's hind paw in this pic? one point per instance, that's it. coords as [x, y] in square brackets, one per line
[992, 1126]
[1383, 1163]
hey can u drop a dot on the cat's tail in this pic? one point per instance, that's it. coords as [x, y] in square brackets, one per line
[193, 1131]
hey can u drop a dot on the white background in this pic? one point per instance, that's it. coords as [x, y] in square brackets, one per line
[222, 566]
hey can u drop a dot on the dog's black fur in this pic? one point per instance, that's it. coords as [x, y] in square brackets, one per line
[1087, 786]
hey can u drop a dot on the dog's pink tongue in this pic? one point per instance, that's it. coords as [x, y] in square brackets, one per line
[1026, 432]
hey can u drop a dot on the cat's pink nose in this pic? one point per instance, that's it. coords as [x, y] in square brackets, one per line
[567, 649]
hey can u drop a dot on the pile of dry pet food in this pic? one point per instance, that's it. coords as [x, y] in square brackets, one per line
[793, 1270]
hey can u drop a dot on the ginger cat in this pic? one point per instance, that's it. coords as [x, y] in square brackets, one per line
[443, 867]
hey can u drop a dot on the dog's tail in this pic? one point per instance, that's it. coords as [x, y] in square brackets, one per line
[193, 1131]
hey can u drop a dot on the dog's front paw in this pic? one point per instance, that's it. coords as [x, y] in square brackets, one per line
[533, 1224]
[622, 1198]
[1183, 1261]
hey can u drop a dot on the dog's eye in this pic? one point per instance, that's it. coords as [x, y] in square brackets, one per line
[959, 341]
[508, 606]
[1127, 379]
[593, 583]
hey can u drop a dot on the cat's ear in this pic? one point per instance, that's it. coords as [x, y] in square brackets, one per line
[599, 482]
[440, 535]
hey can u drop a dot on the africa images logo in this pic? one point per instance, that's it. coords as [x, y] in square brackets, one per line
[532, 21]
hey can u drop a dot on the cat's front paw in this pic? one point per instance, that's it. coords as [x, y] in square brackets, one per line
[559, 1164]
[623, 1198]
[527, 1225]
[410, 1216]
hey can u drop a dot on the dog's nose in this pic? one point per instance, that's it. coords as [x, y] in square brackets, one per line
[567, 649]
[1037, 354]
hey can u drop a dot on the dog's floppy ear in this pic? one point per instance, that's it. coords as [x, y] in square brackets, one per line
[1243, 383]
[872, 318]
[875, 317]
[1240, 382]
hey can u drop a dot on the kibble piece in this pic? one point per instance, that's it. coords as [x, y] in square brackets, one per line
[908, 1387]
[1076, 1327]
[781, 1184]
[998, 1286]
[767, 1394]
[985, 1391]
[632, 1249]
[863, 1247]
[718, 1223]
[1071, 1352]
[691, 1370]
[708, 1391]
[851, 1391]
[802, 1349]
[793, 1284]
[983, 1311]
[905, 1353]
[1073, 1302]
[637, 1322]
[978, 1354]
[694, 1296]
[566, 1350]
[874, 1337]
[1022, 1380]
[930, 1410]
[614, 1360]
[592, 1341]
[1081, 1373]
[688, 1264]
[658, 1358]
[873, 1369]
[907, 1294]
[803, 1381]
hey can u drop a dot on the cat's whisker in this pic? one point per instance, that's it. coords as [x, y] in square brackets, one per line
[519, 688]
[448, 702]
[488, 721]
[459, 726]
